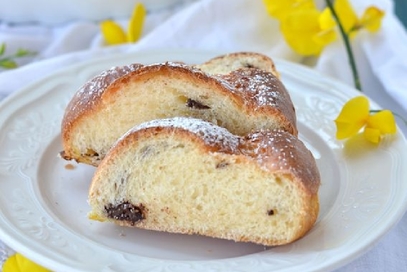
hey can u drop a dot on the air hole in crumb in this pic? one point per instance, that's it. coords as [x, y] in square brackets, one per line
[249, 65]
[90, 153]
[196, 105]
[222, 165]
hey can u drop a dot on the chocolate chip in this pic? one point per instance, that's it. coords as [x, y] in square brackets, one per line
[126, 212]
[270, 212]
[196, 105]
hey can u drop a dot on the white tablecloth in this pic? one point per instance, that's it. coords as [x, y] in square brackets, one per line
[239, 25]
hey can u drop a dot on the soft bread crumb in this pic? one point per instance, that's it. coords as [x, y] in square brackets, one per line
[186, 175]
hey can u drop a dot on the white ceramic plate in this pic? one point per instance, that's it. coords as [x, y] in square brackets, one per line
[44, 204]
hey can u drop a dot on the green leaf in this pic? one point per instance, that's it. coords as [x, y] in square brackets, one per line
[2, 48]
[22, 52]
[8, 64]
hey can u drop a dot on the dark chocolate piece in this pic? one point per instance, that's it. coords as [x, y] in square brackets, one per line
[126, 212]
[270, 212]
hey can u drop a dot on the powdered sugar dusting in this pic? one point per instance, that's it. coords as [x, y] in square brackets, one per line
[212, 135]
[273, 144]
[94, 88]
[99, 83]
[257, 85]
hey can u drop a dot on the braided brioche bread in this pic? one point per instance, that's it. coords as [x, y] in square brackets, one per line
[241, 92]
[186, 175]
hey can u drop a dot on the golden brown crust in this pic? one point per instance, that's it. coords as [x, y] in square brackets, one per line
[280, 151]
[262, 91]
[89, 95]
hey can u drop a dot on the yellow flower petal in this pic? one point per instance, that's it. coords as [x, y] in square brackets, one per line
[372, 135]
[112, 33]
[280, 9]
[372, 18]
[277, 9]
[18, 263]
[326, 21]
[135, 27]
[300, 28]
[352, 117]
[325, 37]
[383, 121]
[346, 14]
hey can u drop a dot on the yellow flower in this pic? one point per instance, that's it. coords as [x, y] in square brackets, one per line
[308, 30]
[306, 33]
[114, 34]
[356, 115]
[346, 14]
[381, 123]
[18, 263]
[370, 20]
[301, 25]
[280, 9]
[352, 117]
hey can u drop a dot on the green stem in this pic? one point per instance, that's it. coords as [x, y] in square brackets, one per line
[345, 38]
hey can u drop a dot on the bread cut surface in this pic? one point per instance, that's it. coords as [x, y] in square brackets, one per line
[186, 175]
[241, 92]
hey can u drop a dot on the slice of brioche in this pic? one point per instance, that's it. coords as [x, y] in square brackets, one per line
[241, 100]
[185, 175]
